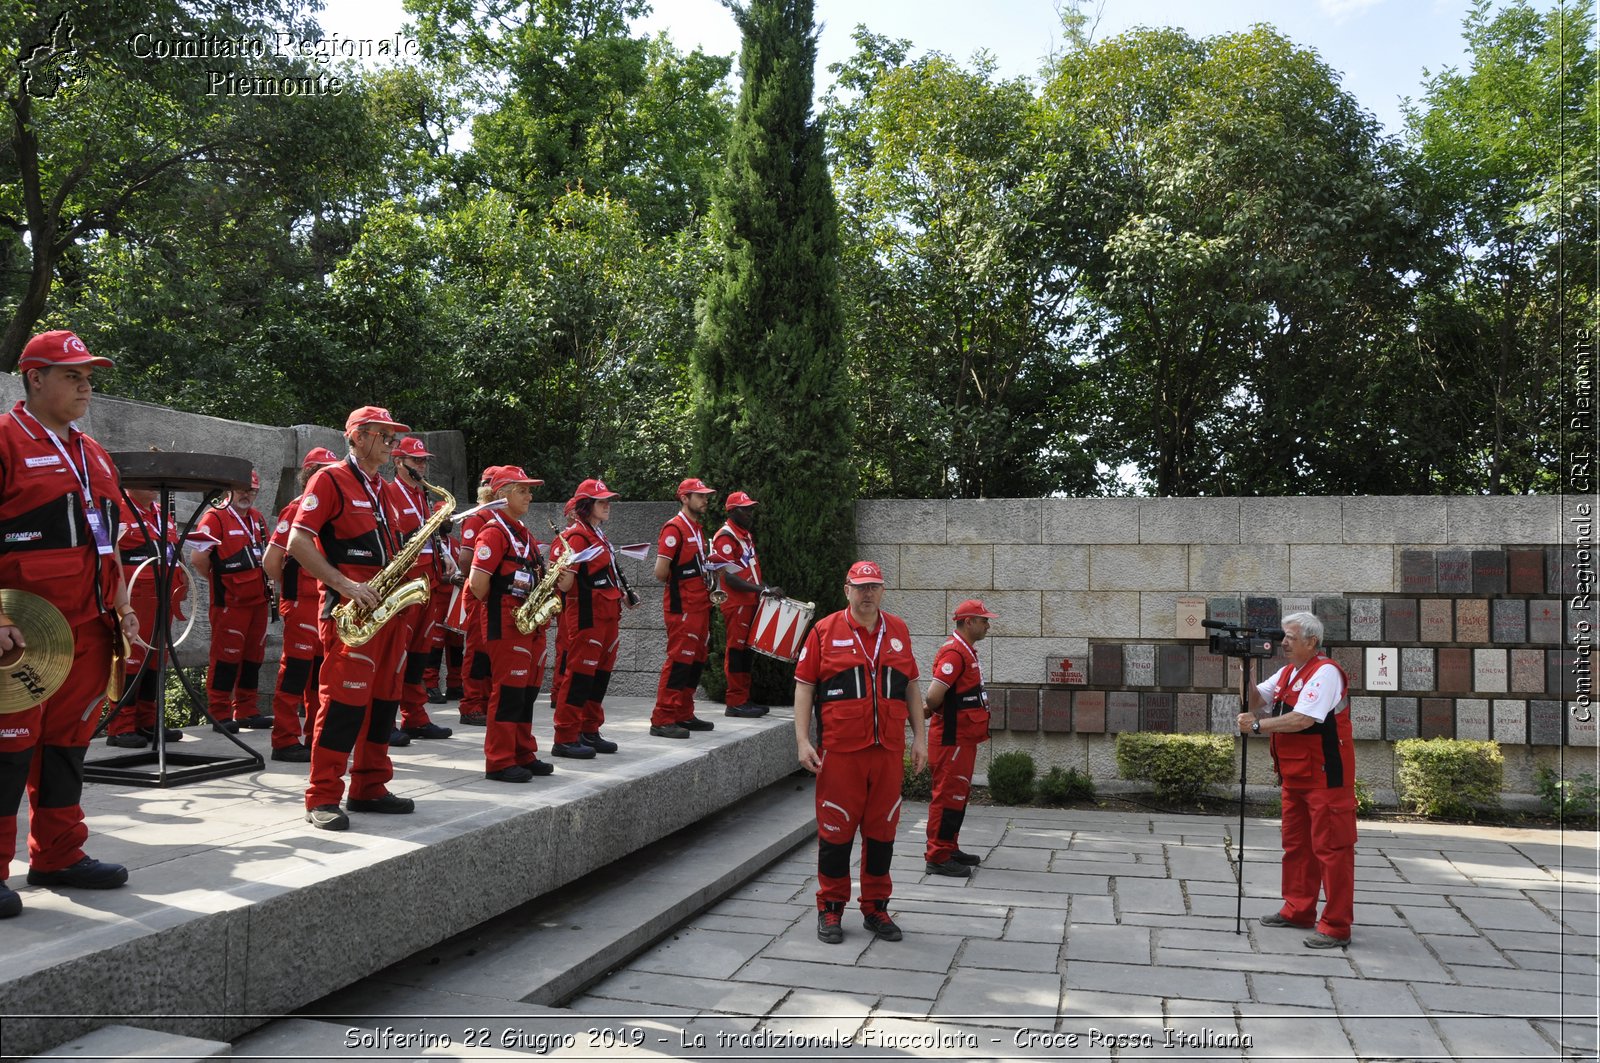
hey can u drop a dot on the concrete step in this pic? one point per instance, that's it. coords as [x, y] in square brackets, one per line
[111, 1044]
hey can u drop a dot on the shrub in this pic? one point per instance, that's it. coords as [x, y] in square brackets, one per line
[1449, 777]
[1567, 799]
[1061, 786]
[1181, 766]
[1365, 804]
[916, 785]
[1011, 778]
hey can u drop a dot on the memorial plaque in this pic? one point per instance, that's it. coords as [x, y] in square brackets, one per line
[1472, 620]
[1416, 669]
[1022, 710]
[1527, 671]
[1583, 733]
[1138, 667]
[1065, 671]
[1190, 612]
[1472, 719]
[1334, 612]
[1418, 572]
[1561, 569]
[1399, 718]
[1525, 571]
[1105, 664]
[1288, 606]
[1436, 620]
[1510, 722]
[1366, 718]
[1544, 621]
[1455, 571]
[1225, 714]
[1351, 659]
[1260, 612]
[1399, 620]
[1209, 669]
[1509, 619]
[1552, 570]
[1157, 712]
[1236, 669]
[1488, 572]
[1122, 711]
[1438, 718]
[1455, 671]
[1366, 619]
[1089, 712]
[1383, 668]
[1226, 610]
[1544, 723]
[1560, 676]
[1190, 713]
[1173, 666]
[1055, 711]
[997, 714]
[1489, 672]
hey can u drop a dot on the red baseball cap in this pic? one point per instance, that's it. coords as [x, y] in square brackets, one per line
[864, 572]
[411, 447]
[317, 457]
[738, 500]
[595, 489]
[488, 473]
[58, 348]
[572, 504]
[373, 415]
[973, 607]
[695, 486]
[255, 481]
[506, 475]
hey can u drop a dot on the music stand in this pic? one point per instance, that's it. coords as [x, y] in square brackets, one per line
[209, 475]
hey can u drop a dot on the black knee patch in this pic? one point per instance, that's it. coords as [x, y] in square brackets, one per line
[13, 779]
[60, 776]
[224, 677]
[876, 856]
[341, 723]
[579, 687]
[480, 666]
[416, 664]
[950, 823]
[296, 672]
[381, 723]
[833, 859]
[454, 655]
[513, 705]
[149, 683]
[680, 676]
[435, 656]
[249, 675]
[695, 671]
[602, 680]
[741, 661]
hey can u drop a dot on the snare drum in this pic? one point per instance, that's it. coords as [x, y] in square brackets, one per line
[455, 614]
[780, 627]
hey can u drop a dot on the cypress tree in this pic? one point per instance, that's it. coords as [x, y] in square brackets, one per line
[770, 371]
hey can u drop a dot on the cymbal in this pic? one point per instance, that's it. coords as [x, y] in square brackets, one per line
[33, 673]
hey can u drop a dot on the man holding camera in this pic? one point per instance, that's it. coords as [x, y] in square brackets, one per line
[1306, 714]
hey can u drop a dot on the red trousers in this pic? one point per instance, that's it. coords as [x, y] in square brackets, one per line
[1319, 852]
[298, 671]
[857, 791]
[360, 698]
[414, 692]
[687, 637]
[238, 646]
[41, 752]
[140, 708]
[738, 656]
[475, 684]
[516, 665]
[591, 656]
[952, 784]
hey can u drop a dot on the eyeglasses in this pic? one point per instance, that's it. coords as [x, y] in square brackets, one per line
[388, 438]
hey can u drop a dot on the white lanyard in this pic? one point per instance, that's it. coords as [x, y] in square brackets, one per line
[414, 503]
[518, 547]
[611, 555]
[379, 515]
[876, 648]
[977, 666]
[747, 556]
[80, 474]
[693, 533]
[252, 544]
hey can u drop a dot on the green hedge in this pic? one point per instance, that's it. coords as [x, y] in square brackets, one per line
[1011, 778]
[1182, 767]
[1449, 777]
[1061, 786]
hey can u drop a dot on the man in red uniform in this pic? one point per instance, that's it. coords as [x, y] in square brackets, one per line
[344, 534]
[417, 505]
[958, 708]
[239, 608]
[58, 512]
[474, 705]
[593, 608]
[857, 666]
[735, 545]
[299, 600]
[563, 630]
[686, 607]
[142, 526]
[1307, 715]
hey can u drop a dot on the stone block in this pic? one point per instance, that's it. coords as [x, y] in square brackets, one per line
[1583, 733]
[1455, 670]
[1261, 612]
[1351, 569]
[1022, 709]
[1502, 518]
[1089, 712]
[1489, 672]
[1105, 664]
[1225, 610]
[1138, 665]
[1236, 669]
[997, 713]
[1295, 604]
[1544, 621]
[1210, 669]
[1508, 619]
[1525, 571]
[924, 612]
[994, 520]
[1563, 568]
[1041, 568]
[937, 568]
[1019, 611]
[1455, 571]
[1472, 620]
[1097, 614]
[1173, 666]
[1055, 711]
[1544, 722]
[1366, 619]
[1188, 613]
[1157, 712]
[1527, 671]
[1138, 568]
[1067, 671]
[1438, 718]
[1122, 711]
[1158, 614]
[1488, 572]
[1090, 520]
[1418, 572]
[1334, 612]
[1290, 520]
[1393, 519]
[1560, 677]
[1238, 568]
[1189, 713]
[1366, 718]
[1436, 620]
[1225, 714]
[1188, 520]
[901, 520]
[1472, 719]
[1416, 669]
[1352, 660]
[1383, 668]
[1400, 620]
[1025, 660]
[1399, 719]
[1510, 721]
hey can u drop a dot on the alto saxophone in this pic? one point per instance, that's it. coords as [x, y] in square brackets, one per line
[357, 625]
[543, 602]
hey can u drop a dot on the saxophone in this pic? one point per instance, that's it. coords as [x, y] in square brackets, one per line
[544, 602]
[357, 626]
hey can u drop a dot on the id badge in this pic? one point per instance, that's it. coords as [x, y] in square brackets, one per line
[521, 583]
[102, 534]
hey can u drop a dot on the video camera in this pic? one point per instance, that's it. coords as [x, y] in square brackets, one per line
[1230, 640]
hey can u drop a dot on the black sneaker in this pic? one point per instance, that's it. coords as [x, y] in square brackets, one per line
[669, 730]
[951, 867]
[10, 902]
[830, 927]
[127, 741]
[540, 767]
[171, 735]
[475, 719]
[86, 874]
[745, 712]
[877, 920]
[572, 750]
[593, 740]
[398, 738]
[695, 723]
[388, 804]
[292, 754]
[226, 727]
[327, 817]
[970, 859]
[257, 722]
[1319, 940]
[1277, 919]
[429, 730]
[435, 697]
[515, 773]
